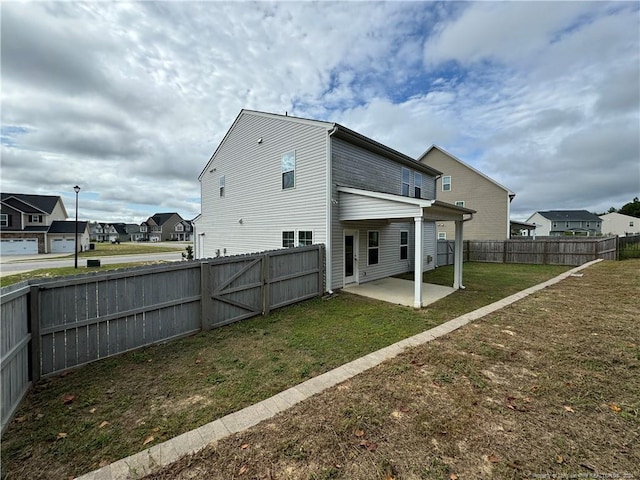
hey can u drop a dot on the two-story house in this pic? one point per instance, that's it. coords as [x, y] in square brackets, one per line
[32, 224]
[183, 231]
[554, 223]
[463, 185]
[277, 181]
[619, 224]
[161, 227]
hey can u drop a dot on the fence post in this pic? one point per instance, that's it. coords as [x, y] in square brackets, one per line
[34, 329]
[266, 283]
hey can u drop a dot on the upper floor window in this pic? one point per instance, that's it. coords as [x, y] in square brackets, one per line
[459, 203]
[143, 228]
[179, 227]
[404, 245]
[442, 235]
[35, 218]
[4, 220]
[446, 183]
[305, 238]
[630, 223]
[289, 170]
[373, 248]
[417, 185]
[222, 181]
[288, 239]
[405, 181]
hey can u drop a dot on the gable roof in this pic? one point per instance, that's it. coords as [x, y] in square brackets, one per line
[61, 226]
[161, 218]
[511, 193]
[334, 130]
[568, 215]
[31, 203]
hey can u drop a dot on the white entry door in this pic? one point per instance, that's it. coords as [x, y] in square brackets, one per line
[350, 256]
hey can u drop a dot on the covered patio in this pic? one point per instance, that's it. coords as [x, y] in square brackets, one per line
[357, 204]
[399, 291]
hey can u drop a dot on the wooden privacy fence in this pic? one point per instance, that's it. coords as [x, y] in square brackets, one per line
[547, 251]
[53, 325]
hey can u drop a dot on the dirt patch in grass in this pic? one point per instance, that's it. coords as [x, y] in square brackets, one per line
[546, 388]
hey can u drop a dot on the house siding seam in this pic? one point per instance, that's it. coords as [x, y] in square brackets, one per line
[252, 171]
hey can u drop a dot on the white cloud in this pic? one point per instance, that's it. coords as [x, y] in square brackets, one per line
[129, 100]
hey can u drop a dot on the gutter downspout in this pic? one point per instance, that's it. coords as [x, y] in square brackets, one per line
[328, 257]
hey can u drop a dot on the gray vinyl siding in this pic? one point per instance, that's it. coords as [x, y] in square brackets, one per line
[253, 186]
[355, 167]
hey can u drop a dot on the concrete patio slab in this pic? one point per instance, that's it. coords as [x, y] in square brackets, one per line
[399, 291]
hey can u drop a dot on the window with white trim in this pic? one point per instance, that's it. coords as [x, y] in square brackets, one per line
[222, 185]
[417, 185]
[288, 239]
[442, 235]
[35, 218]
[405, 181]
[459, 203]
[404, 245]
[4, 220]
[179, 227]
[446, 183]
[305, 237]
[373, 247]
[288, 170]
[630, 222]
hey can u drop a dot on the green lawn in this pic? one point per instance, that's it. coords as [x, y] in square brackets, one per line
[159, 392]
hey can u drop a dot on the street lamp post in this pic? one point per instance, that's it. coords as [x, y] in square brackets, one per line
[77, 190]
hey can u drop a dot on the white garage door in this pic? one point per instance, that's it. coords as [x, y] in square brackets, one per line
[18, 246]
[62, 245]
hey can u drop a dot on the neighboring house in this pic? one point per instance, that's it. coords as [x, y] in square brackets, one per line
[554, 223]
[108, 232]
[61, 236]
[161, 227]
[277, 181]
[183, 231]
[463, 185]
[133, 232]
[29, 223]
[620, 224]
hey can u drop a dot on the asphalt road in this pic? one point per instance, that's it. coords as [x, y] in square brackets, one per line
[13, 264]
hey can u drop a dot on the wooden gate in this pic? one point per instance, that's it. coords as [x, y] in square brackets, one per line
[236, 286]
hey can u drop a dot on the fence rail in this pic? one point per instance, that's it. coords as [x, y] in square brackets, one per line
[53, 325]
[547, 251]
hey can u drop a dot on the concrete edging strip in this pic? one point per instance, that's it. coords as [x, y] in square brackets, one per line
[163, 454]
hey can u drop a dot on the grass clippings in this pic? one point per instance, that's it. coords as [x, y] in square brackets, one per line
[154, 394]
[548, 387]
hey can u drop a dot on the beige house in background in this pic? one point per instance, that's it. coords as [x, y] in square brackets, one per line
[462, 185]
[620, 224]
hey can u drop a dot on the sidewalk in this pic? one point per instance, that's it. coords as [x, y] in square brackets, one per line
[161, 455]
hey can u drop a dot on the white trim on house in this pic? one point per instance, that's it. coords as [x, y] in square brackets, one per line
[356, 204]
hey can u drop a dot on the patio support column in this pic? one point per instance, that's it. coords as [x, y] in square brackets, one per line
[457, 256]
[418, 263]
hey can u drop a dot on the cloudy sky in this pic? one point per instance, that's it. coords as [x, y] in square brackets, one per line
[129, 100]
